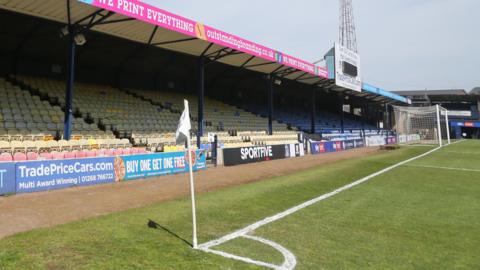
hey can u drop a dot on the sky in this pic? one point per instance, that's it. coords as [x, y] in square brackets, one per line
[403, 44]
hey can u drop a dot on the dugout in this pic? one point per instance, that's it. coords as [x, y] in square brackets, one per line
[93, 42]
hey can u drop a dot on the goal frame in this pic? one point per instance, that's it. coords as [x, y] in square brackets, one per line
[407, 120]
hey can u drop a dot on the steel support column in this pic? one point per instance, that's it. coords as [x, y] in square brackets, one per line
[67, 130]
[387, 125]
[342, 115]
[364, 116]
[270, 105]
[313, 110]
[201, 97]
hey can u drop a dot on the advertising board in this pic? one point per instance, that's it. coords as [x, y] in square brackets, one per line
[56, 174]
[35, 176]
[7, 178]
[153, 15]
[391, 140]
[377, 140]
[326, 147]
[244, 155]
[335, 146]
[347, 68]
[143, 166]
[408, 138]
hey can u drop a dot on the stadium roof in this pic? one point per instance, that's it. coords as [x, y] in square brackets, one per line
[449, 92]
[475, 91]
[447, 95]
[140, 22]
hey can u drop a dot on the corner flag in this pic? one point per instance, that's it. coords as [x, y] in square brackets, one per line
[181, 136]
[183, 130]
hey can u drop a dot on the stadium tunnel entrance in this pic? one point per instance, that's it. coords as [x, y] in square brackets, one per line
[466, 129]
[34, 47]
[471, 133]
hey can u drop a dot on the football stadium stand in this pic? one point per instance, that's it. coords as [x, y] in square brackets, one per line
[25, 116]
[218, 115]
[110, 119]
[326, 122]
[119, 80]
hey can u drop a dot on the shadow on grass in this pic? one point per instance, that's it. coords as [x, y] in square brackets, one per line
[154, 225]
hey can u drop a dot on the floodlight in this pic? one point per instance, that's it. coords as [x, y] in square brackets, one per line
[64, 31]
[80, 39]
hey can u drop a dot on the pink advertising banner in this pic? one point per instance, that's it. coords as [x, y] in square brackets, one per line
[153, 15]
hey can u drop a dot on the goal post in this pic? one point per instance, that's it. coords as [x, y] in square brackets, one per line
[423, 125]
[447, 123]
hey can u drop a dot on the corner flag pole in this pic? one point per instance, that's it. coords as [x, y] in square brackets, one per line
[192, 188]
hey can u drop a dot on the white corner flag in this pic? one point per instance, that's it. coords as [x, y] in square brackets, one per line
[181, 136]
[183, 130]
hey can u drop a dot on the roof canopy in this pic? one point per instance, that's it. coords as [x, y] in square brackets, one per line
[446, 92]
[456, 95]
[140, 22]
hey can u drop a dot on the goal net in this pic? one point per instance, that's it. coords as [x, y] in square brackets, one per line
[425, 125]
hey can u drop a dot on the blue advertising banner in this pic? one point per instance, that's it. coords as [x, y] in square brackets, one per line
[7, 178]
[325, 147]
[391, 140]
[142, 166]
[471, 124]
[55, 174]
[335, 146]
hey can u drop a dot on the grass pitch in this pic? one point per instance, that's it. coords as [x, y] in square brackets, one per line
[424, 215]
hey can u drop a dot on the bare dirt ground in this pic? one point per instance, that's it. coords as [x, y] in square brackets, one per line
[25, 212]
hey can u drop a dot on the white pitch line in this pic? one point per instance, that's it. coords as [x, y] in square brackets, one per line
[289, 259]
[239, 258]
[444, 168]
[461, 152]
[245, 231]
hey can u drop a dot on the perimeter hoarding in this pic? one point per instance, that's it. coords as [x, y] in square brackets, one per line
[326, 147]
[35, 176]
[7, 178]
[167, 20]
[335, 146]
[347, 68]
[56, 174]
[470, 124]
[408, 138]
[376, 140]
[391, 140]
[245, 155]
[142, 166]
